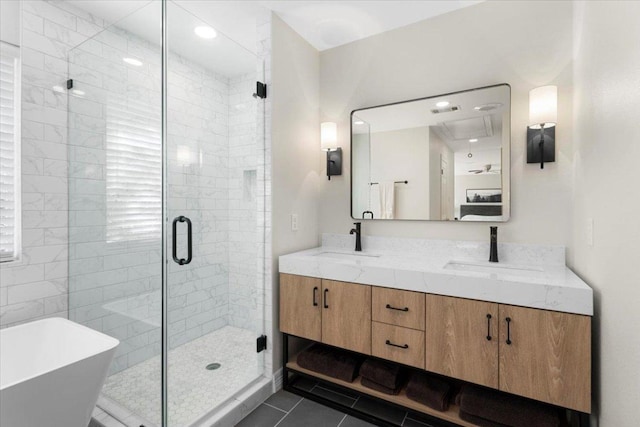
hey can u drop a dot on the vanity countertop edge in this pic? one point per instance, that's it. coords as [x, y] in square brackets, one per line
[552, 287]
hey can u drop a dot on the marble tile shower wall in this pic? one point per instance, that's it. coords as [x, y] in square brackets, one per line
[243, 253]
[37, 285]
[114, 273]
[198, 152]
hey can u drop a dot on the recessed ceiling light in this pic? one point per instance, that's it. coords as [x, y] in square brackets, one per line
[473, 140]
[442, 104]
[205, 32]
[488, 107]
[358, 122]
[133, 61]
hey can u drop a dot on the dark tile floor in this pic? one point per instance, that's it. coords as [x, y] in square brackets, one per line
[285, 409]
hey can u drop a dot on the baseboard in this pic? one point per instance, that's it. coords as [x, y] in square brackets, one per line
[242, 405]
[277, 380]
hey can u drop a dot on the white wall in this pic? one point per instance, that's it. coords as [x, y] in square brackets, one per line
[402, 155]
[607, 104]
[362, 173]
[525, 44]
[10, 22]
[295, 148]
[439, 152]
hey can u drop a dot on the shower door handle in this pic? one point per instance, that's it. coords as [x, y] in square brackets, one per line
[177, 260]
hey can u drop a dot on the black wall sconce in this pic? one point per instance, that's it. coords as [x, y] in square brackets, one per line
[329, 143]
[541, 132]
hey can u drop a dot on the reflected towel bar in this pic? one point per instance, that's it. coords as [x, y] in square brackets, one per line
[395, 182]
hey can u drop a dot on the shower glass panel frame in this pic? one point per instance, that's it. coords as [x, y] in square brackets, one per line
[162, 126]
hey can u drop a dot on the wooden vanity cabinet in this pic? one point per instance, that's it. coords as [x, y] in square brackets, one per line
[335, 313]
[540, 354]
[462, 339]
[300, 305]
[546, 355]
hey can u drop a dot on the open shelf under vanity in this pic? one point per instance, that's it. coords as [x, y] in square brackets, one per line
[401, 399]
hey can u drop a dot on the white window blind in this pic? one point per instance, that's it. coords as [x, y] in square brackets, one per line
[134, 171]
[9, 152]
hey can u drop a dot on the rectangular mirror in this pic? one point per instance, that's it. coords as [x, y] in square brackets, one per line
[443, 158]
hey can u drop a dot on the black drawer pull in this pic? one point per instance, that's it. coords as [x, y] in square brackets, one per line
[488, 327]
[398, 309]
[315, 291]
[326, 291]
[508, 319]
[396, 345]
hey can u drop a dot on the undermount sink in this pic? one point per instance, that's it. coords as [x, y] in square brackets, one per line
[511, 270]
[345, 255]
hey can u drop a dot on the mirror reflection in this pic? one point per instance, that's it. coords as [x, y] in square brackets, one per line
[441, 158]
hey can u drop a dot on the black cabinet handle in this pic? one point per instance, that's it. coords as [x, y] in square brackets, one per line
[508, 319]
[398, 309]
[315, 291]
[326, 291]
[182, 261]
[396, 345]
[488, 327]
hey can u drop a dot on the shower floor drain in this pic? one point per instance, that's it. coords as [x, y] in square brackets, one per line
[213, 366]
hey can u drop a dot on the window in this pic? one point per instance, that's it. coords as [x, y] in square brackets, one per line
[9, 152]
[134, 170]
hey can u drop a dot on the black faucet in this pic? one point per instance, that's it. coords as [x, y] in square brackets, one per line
[493, 251]
[357, 233]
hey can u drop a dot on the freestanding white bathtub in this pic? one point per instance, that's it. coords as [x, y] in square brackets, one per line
[51, 373]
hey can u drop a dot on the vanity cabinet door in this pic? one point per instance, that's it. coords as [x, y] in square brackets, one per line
[346, 315]
[461, 339]
[546, 355]
[300, 305]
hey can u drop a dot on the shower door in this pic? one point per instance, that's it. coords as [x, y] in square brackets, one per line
[115, 204]
[214, 297]
[166, 180]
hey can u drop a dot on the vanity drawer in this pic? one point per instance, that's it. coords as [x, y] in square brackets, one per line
[402, 345]
[396, 307]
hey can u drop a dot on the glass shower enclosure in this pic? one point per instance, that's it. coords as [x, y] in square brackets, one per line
[165, 139]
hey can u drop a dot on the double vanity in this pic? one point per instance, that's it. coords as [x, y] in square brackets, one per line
[522, 326]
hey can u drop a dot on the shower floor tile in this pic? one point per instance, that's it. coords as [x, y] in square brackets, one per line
[193, 390]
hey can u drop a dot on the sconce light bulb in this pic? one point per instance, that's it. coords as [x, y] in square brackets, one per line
[328, 136]
[543, 107]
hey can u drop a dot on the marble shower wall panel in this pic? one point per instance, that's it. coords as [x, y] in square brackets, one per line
[243, 252]
[114, 115]
[37, 286]
[198, 156]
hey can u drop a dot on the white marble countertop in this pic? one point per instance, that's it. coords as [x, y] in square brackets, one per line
[527, 275]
